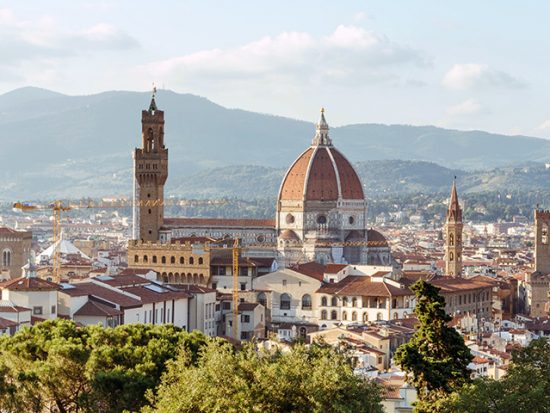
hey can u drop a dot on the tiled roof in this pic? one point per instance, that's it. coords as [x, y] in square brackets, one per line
[149, 296]
[248, 306]
[219, 222]
[335, 268]
[315, 175]
[311, 269]
[9, 307]
[127, 280]
[362, 285]
[103, 293]
[92, 308]
[455, 284]
[5, 323]
[30, 284]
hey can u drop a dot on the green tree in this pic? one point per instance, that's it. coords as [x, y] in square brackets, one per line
[315, 379]
[436, 357]
[524, 389]
[56, 364]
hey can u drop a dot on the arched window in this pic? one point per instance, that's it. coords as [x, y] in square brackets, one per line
[163, 260]
[262, 299]
[201, 261]
[306, 302]
[323, 301]
[345, 301]
[191, 260]
[451, 239]
[451, 256]
[333, 315]
[145, 258]
[6, 258]
[323, 314]
[172, 260]
[322, 219]
[354, 302]
[195, 278]
[201, 278]
[182, 260]
[544, 234]
[136, 258]
[154, 259]
[395, 316]
[365, 317]
[285, 302]
[334, 301]
[379, 316]
[345, 316]
[354, 316]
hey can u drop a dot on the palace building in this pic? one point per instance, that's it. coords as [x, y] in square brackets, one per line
[321, 214]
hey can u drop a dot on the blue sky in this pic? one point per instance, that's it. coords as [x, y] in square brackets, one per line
[465, 65]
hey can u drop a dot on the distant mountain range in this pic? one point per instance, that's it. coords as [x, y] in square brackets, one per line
[55, 145]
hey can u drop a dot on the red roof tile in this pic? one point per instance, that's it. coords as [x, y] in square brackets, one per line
[30, 284]
[95, 309]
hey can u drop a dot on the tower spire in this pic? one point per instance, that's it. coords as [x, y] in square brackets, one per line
[321, 132]
[454, 212]
[453, 235]
[153, 104]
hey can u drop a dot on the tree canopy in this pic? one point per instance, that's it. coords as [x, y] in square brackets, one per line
[524, 389]
[58, 365]
[311, 379]
[436, 357]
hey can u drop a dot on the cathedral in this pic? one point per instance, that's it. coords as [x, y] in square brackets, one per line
[321, 208]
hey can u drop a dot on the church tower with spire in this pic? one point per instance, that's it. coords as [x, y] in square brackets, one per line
[453, 236]
[150, 173]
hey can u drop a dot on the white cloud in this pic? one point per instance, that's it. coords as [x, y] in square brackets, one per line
[544, 125]
[474, 75]
[348, 55]
[468, 107]
[27, 40]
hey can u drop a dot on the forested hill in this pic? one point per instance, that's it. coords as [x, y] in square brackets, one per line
[54, 143]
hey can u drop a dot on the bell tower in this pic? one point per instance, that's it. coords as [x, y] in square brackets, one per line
[150, 173]
[453, 236]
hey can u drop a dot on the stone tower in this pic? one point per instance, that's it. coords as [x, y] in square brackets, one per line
[453, 236]
[150, 172]
[542, 241]
[537, 283]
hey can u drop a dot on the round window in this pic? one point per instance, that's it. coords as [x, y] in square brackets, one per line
[290, 219]
[260, 238]
[321, 219]
[351, 220]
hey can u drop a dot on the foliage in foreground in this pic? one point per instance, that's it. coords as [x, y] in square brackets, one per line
[58, 366]
[436, 357]
[525, 388]
[318, 379]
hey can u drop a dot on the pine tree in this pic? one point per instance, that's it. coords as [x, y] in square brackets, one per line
[436, 357]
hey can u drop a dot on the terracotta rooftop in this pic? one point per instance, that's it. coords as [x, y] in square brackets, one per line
[30, 284]
[321, 173]
[5, 323]
[95, 309]
[103, 293]
[248, 306]
[362, 285]
[219, 222]
[311, 269]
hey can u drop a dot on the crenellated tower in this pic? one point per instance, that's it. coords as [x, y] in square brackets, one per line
[150, 172]
[453, 236]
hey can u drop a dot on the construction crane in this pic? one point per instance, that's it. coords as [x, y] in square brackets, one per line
[57, 207]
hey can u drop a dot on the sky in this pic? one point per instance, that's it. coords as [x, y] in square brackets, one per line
[462, 65]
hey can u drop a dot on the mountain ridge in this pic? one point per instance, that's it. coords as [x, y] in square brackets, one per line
[53, 141]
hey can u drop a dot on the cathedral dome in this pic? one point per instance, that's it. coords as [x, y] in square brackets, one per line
[321, 173]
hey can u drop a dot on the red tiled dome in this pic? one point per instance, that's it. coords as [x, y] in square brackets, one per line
[321, 173]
